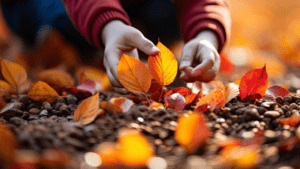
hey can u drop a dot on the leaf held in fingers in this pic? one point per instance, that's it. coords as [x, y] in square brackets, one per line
[42, 92]
[57, 78]
[13, 73]
[120, 104]
[191, 132]
[212, 100]
[175, 101]
[181, 90]
[135, 149]
[133, 74]
[6, 90]
[275, 91]
[254, 84]
[231, 91]
[88, 110]
[163, 66]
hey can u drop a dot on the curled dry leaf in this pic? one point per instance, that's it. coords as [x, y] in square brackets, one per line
[254, 84]
[85, 89]
[163, 66]
[135, 149]
[212, 100]
[42, 92]
[119, 104]
[191, 132]
[88, 110]
[176, 102]
[13, 73]
[231, 91]
[133, 74]
[155, 106]
[181, 90]
[275, 91]
[57, 78]
[195, 87]
[6, 90]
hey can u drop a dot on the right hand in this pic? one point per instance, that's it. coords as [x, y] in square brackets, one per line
[118, 38]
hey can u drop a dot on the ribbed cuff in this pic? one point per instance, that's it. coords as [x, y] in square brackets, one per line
[207, 24]
[100, 22]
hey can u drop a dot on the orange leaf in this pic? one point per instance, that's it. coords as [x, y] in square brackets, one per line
[42, 92]
[8, 144]
[121, 104]
[13, 73]
[57, 78]
[163, 66]
[6, 90]
[109, 154]
[254, 84]
[226, 67]
[191, 131]
[52, 158]
[192, 98]
[292, 121]
[214, 84]
[181, 90]
[133, 74]
[214, 99]
[155, 106]
[88, 110]
[135, 149]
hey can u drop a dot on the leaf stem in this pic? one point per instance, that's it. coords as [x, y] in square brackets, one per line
[147, 98]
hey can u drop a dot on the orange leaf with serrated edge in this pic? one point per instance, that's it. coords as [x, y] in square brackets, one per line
[254, 84]
[163, 66]
[42, 92]
[6, 90]
[120, 104]
[57, 78]
[135, 150]
[133, 74]
[13, 73]
[88, 110]
[191, 132]
[212, 100]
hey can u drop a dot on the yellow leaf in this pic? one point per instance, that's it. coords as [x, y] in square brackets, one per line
[13, 73]
[133, 74]
[6, 90]
[42, 92]
[163, 66]
[57, 78]
[88, 110]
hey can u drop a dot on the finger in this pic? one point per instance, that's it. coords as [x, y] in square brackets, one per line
[139, 41]
[112, 59]
[187, 56]
[133, 53]
[206, 64]
[121, 90]
[114, 82]
[186, 78]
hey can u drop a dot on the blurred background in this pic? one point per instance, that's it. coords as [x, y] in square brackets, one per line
[263, 32]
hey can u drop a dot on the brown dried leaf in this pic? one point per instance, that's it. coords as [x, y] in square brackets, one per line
[42, 92]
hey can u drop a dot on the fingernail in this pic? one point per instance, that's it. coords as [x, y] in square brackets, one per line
[183, 65]
[155, 49]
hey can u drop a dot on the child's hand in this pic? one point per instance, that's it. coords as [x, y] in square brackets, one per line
[200, 60]
[118, 38]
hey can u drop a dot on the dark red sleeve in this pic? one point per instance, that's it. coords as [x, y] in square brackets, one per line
[197, 15]
[89, 16]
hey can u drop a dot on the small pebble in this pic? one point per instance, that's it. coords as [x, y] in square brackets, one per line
[272, 114]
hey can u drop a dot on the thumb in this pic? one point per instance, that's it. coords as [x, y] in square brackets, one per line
[144, 44]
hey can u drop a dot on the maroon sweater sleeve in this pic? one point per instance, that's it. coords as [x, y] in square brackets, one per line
[197, 15]
[89, 16]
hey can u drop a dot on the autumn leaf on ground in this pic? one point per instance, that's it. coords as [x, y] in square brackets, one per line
[155, 106]
[191, 132]
[13, 73]
[292, 121]
[163, 66]
[85, 89]
[195, 87]
[135, 149]
[180, 90]
[157, 96]
[254, 84]
[212, 100]
[133, 74]
[155, 86]
[54, 158]
[57, 78]
[42, 92]
[26, 159]
[6, 90]
[108, 151]
[88, 110]
[231, 91]
[214, 84]
[8, 144]
[193, 98]
[175, 101]
[120, 105]
[275, 91]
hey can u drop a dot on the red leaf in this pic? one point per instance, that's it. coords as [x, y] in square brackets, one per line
[85, 89]
[254, 84]
[157, 95]
[292, 121]
[181, 90]
[192, 98]
[214, 99]
[275, 91]
[226, 67]
[176, 102]
[155, 86]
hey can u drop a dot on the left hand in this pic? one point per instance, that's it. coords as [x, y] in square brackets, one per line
[200, 60]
